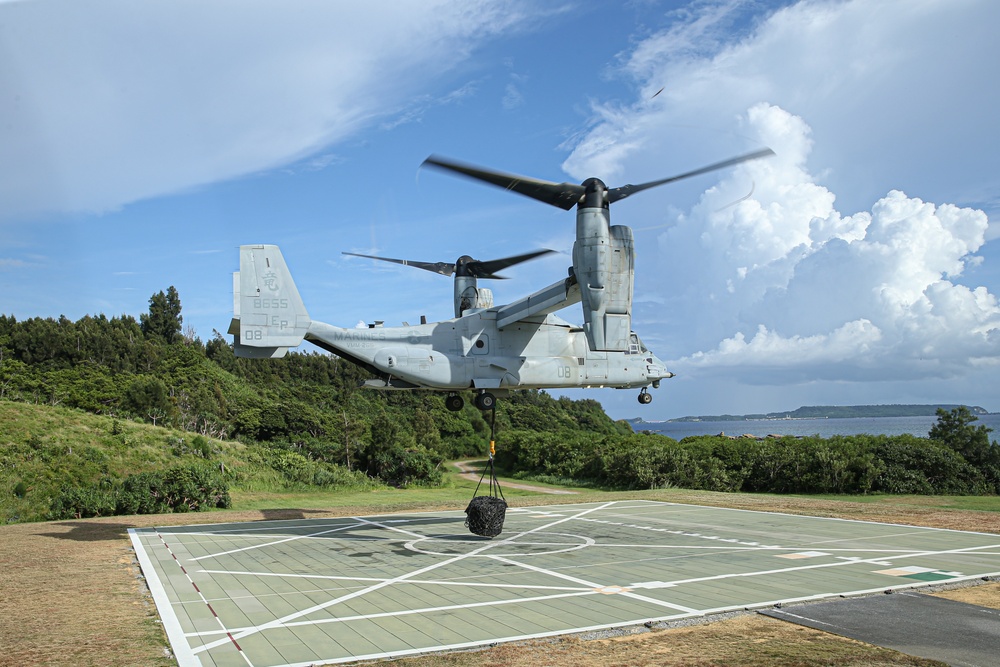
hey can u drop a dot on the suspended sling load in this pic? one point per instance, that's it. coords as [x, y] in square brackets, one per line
[484, 515]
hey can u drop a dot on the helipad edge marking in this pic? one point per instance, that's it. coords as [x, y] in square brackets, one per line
[182, 650]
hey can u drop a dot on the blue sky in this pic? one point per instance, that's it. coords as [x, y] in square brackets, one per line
[142, 143]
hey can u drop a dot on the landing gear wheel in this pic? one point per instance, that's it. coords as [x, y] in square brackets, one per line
[645, 397]
[486, 401]
[454, 403]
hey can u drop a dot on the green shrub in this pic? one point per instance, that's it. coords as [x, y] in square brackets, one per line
[179, 489]
[81, 503]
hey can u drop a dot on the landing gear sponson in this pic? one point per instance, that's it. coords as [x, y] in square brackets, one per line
[487, 401]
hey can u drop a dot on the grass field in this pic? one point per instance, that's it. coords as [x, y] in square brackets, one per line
[971, 503]
[72, 593]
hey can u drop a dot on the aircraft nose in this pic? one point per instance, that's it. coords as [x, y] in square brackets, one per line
[658, 370]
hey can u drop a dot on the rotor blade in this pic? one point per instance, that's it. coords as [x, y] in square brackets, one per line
[444, 268]
[616, 194]
[489, 268]
[563, 195]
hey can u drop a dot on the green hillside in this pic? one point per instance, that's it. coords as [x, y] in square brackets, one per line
[79, 402]
[45, 449]
[121, 416]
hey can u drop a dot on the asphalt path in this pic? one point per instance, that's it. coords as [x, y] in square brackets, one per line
[960, 634]
[466, 471]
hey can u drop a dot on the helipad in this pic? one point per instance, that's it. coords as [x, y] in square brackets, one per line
[335, 590]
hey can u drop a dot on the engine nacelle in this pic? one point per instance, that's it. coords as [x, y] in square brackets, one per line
[604, 264]
[469, 295]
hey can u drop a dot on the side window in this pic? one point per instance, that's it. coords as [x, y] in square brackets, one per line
[633, 344]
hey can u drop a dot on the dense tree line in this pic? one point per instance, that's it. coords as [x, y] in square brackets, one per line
[307, 422]
[957, 459]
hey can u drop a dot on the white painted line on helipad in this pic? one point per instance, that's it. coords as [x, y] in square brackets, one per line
[175, 633]
[406, 612]
[430, 582]
[280, 622]
[270, 544]
[525, 546]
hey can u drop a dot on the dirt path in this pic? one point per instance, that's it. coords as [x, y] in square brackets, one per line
[466, 472]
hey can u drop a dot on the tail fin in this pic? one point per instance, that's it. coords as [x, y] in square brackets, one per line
[268, 314]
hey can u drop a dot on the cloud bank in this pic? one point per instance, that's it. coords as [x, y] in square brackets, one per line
[897, 94]
[815, 294]
[779, 274]
[108, 102]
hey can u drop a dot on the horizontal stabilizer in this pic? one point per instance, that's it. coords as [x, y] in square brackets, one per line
[248, 352]
[391, 383]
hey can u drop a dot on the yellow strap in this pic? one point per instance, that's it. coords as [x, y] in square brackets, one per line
[493, 449]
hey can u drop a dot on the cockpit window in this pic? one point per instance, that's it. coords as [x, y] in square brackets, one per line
[634, 345]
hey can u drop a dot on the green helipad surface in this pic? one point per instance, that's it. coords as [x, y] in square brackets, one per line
[320, 591]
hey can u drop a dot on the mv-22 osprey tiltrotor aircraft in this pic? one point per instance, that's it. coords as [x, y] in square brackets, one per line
[486, 348]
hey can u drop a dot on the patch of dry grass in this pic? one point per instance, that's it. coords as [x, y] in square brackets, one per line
[70, 594]
[985, 595]
[749, 640]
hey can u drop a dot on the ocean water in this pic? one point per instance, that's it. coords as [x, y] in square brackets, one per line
[823, 427]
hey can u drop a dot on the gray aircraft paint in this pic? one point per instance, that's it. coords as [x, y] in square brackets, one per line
[485, 348]
[523, 345]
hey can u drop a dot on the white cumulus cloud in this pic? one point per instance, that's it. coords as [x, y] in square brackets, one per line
[107, 102]
[814, 293]
[898, 95]
[846, 257]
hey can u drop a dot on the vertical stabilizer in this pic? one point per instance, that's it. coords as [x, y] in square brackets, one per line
[268, 314]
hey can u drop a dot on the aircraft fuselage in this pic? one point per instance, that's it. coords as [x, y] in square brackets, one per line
[472, 352]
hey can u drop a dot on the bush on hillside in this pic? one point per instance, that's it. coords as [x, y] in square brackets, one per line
[177, 489]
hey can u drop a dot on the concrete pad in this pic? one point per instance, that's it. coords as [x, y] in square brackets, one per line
[957, 633]
[337, 590]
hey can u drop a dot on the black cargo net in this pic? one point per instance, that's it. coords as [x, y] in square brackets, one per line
[485, 514]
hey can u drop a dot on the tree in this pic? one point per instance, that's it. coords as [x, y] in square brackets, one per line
[954, 429]
[425, 431]
[148, 396]
[163, 322]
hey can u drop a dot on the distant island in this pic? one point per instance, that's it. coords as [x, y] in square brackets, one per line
[828, 412]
